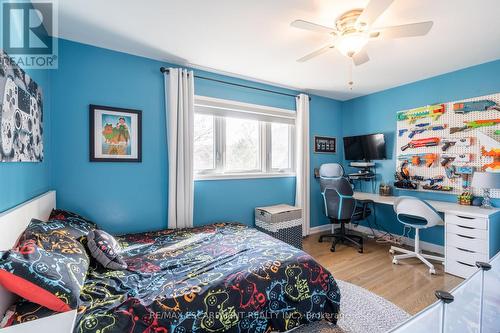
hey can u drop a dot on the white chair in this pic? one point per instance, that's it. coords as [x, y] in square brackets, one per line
[416, 214]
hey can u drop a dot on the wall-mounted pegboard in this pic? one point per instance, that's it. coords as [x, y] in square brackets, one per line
[465, 145]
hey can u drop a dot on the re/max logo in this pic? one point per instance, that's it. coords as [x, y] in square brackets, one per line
[27, 28]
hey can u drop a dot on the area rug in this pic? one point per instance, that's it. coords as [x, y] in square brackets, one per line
[361, 311]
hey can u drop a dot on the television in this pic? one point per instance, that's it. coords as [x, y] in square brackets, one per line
[364, 147]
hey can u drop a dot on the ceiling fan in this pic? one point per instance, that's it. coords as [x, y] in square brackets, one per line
[353, 29]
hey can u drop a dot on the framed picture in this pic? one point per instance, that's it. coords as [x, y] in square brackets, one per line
[325, 144]
[115, 134]
[21, 114]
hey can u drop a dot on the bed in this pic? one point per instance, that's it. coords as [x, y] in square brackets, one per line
[223, 277]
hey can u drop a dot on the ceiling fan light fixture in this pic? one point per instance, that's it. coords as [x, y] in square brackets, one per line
[352, 43]
[353, 29]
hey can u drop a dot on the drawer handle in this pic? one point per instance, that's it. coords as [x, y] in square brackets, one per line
[464, 227]
[465, 217]
[463, 263]
[465, 250]
[468, 237]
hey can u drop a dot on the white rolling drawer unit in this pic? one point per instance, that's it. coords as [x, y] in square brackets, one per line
[471, 233]
[469, 238]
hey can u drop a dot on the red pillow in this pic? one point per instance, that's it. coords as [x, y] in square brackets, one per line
[49, 268]
[30, 291]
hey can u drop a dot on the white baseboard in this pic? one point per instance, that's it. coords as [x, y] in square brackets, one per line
[426, 246]
[320, 228]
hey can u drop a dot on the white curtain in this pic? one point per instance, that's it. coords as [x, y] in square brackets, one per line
[302, 160]
[179, 102]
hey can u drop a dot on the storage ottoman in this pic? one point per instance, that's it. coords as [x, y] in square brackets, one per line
[283, 222]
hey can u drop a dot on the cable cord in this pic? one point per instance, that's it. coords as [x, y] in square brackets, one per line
[387, 236]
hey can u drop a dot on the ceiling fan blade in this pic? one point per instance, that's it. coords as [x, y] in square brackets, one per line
[405, 30]
[373, 10]
[306, 25]
[316, 53]
[360, 58]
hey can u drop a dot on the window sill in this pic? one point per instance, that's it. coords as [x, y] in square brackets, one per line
[229, 176]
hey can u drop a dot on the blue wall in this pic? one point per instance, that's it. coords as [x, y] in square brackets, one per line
[22, 181]
[377, 113]
[131, 197]
[121, 197]
[328, 124]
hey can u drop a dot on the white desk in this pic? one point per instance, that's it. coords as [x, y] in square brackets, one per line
[471, 233]
[440, 206]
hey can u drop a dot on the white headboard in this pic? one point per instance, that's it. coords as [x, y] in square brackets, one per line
[12, 224]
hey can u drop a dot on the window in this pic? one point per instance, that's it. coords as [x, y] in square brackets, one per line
[204, 142]
[281, 142]
[233, 139]
[242, 145]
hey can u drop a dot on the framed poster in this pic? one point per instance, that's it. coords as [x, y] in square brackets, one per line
[115, 134]
[325, 144]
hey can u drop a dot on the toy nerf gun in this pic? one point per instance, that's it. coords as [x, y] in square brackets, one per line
[402, 131]
[448, 167]
[431, 181]
[475, 124]
[490, 148]
[437, 187]
[417, 159]
[483, 105]
[425, 127]
[427, 142]
[457, 158]
[459, 142]
[447, 159]
[434, 111]
[465, 172]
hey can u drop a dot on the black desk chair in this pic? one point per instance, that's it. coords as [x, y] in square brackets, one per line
[340, 205]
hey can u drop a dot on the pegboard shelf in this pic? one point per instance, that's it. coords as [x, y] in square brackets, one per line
[427, 191]
[439, 127]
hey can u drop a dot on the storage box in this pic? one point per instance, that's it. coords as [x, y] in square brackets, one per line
[283, 222]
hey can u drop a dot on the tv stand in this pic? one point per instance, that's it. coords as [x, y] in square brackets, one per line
[361, 175]
[362, 164]
[365, 170]
[365, 173]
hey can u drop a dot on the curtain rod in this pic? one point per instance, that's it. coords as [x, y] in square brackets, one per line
[166, 70]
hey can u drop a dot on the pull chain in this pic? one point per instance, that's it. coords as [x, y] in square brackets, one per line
[350, 82]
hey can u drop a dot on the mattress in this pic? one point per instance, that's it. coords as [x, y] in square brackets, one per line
[217, 278]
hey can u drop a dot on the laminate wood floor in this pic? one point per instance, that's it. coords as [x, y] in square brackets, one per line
[408, 284]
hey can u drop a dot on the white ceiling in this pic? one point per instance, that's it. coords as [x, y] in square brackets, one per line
[253, 38]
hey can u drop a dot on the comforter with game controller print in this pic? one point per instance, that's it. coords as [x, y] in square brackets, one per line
[215, 278]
